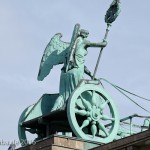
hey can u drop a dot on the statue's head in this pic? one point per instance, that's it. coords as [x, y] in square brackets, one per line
[84, 33]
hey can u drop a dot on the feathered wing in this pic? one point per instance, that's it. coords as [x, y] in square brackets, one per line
[54, 54]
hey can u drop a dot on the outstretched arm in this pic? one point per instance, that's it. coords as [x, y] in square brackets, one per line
[99, 44]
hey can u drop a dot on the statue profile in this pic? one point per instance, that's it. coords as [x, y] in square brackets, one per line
[72, 55]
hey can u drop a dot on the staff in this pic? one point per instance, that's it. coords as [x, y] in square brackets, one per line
[111, 15]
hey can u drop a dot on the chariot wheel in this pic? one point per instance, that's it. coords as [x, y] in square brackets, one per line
[92, 114]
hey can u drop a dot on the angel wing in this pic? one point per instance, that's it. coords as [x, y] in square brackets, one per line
[54, 54]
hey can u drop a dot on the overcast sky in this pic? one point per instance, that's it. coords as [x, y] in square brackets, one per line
[27, 26]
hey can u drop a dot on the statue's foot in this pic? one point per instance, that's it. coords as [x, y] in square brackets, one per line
[58, 104]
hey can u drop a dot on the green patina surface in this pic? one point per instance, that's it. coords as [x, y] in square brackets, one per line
[90, 111]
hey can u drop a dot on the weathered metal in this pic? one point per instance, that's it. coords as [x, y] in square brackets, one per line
[72, 56]
[111, 15]
[82, 106]
[89, 109]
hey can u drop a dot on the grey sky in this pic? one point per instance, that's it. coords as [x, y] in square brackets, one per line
[27, 26]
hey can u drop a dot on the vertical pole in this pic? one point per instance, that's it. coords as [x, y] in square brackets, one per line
[130, 125]
[100, 54]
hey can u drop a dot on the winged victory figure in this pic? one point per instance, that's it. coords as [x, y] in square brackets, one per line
[72, 55]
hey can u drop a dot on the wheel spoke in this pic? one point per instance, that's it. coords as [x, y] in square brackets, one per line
[86, 103]
[93, 128]
[102, 127]
[86, 123]
[104, 117]
[104, 104]
[79, 105]
[81, 112]
[93, 98]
